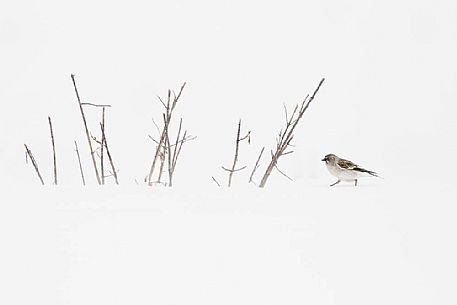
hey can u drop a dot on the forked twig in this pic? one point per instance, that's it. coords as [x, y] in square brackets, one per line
[237, 147]
[167, 153]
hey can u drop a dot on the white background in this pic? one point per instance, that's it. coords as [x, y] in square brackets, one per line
[388, 103]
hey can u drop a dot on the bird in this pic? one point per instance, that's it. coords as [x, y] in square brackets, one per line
[345, 170]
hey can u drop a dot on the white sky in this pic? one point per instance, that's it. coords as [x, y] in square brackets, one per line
[389, 100]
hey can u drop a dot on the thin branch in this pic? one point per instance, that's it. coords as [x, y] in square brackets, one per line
[35, 165]
[180, 143]
[154, 140]
[94, 163]
[101, 146]
[155, 124]
[215, 181]
[80, 166]
[109, 154]
[256, 166]
[282, 173]
[162, 163]
[53, 150]
[173, 158]
[188, 138]
[233, 170]
[95, 105]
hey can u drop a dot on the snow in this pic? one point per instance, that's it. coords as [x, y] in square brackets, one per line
[387, 104]
[379, 243]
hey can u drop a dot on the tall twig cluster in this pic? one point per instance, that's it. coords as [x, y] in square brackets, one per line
[167, 151]
[286, 135]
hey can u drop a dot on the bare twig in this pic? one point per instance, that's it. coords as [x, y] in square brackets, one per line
[95, 105]
[157, 126]
[256, 166]
[215, 181]
[233, 170]
[183, 140]
[282, 173]
[101, 146]
[162, 164]
[173, 158]
[286, 136]
[53, 150]
[80, 166]
[35, 165]
[109, 154]
[235, 159]
[94, 163]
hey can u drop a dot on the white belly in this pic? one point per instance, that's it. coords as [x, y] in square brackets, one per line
[343, 174]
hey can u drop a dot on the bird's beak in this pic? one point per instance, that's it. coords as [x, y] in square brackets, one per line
[324, 159]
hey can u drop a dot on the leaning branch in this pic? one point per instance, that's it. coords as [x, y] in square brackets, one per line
[114, 173]
[35, 165]
[80, 166]
[94, 163]
[287, 134]
[256, 166]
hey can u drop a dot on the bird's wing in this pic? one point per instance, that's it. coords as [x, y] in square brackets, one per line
[346, 164]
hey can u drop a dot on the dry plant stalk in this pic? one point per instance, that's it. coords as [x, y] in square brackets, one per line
[35, 165]
[256, 166]
[173, 157]
[166, 153]
[92, 152]
[215, 181]
[235, 159]
[53, 150]
[114, 173]
[285, 136]
[80, 166]
[102, 168]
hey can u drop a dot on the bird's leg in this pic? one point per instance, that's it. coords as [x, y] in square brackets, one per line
[355, 182]
[338, 181]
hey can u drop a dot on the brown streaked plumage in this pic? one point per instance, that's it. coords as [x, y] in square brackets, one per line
[345, 170]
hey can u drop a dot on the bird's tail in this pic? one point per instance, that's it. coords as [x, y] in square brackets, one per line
[362, 170]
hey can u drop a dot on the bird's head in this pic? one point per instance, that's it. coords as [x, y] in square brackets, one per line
[329, 158]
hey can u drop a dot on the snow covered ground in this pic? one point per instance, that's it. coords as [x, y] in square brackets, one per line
[379, 243]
